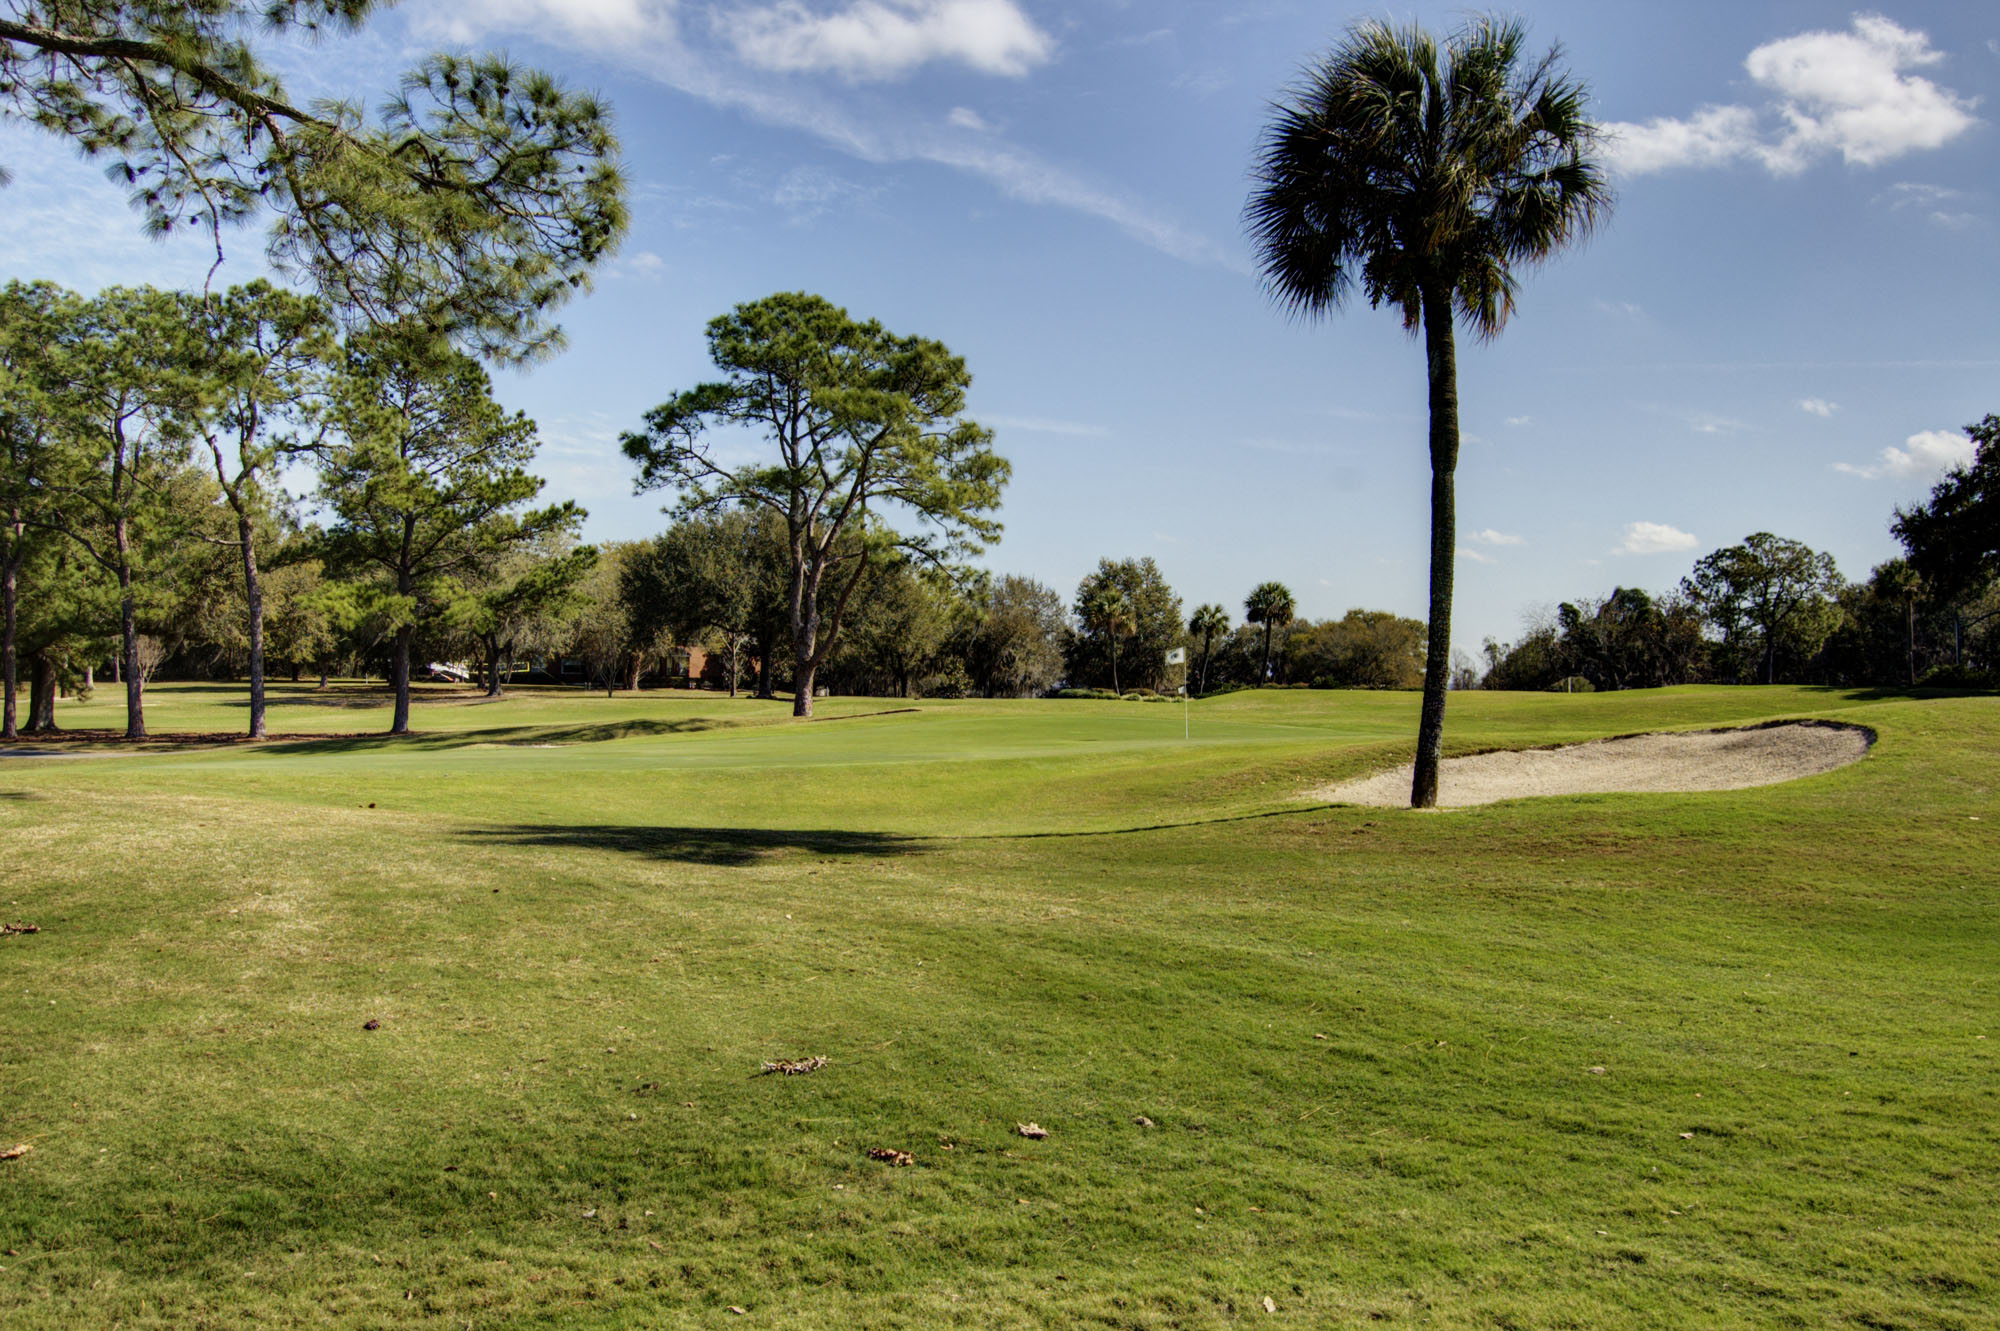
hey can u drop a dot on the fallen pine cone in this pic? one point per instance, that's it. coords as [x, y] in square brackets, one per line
[889, 1157]
[1032, 1131]
[797, 1067]
[20, 929]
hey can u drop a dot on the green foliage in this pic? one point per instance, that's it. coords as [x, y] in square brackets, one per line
[865, 430]
[1015, 649]
[478, 199]
[1769, 601]
[1363, 649]
[425, 481]
[1130, 620]
[1269, 604]
[1953, 539]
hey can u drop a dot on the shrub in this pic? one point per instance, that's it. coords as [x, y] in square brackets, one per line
[1960, 677]
[1103, 694]
[1573, 684]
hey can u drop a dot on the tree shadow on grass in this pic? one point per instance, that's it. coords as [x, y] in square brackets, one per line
[506, 736]
[728, 847]
[735, 847]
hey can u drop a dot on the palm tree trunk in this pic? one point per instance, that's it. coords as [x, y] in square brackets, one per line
[1264, 673]
[1442, 355]
[1114, 664]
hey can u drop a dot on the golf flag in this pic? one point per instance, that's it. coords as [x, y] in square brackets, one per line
[1178, 656]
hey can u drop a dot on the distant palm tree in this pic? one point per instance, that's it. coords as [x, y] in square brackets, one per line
[1424, 174]
[1269, 604]
[1109, 610]
[1207, 623]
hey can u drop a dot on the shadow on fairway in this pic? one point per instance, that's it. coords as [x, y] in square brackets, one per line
[729, 847]
[506, 736]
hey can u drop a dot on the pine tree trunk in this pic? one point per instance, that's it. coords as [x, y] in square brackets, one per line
[8, 636]
[253, 588]
[400, 677]
[1442, 358]
[42, 696]
[128, 627]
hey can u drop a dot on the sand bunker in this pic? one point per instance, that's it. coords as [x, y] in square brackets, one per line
[1691, 760]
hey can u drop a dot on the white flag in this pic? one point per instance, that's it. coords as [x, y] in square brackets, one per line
[1178, 656]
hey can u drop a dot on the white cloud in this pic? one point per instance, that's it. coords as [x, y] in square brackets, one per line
[1653, 538]
[598, 24]
[966, 118]
[1846, 93]
[645, 264]
[1628, 309]
[1520, 420]
[1923, 455]
[1467, 552]
[1488, 536]
[1818, 406]
[1714, 136]
[886, 39]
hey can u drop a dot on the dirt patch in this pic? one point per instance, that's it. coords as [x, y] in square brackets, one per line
[1671, 761]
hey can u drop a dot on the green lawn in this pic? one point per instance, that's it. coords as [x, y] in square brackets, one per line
[1652, 1061]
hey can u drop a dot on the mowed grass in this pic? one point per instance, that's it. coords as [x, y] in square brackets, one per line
[1706, 1060]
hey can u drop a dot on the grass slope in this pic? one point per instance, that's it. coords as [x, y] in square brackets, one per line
[1666, 1061]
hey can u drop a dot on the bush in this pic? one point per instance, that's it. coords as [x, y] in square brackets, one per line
[1573, 684]
[1960, 677]
[1105, 695]
[1146, 695]
[1220, 689]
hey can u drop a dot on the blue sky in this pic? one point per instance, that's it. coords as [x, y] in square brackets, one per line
[1784, 325]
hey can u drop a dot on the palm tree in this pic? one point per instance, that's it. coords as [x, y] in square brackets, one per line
[1109, 610]
[1208, 621]
[1424, 173]
[1269, 604]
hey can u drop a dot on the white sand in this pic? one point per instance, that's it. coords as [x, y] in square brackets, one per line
[1677, 761]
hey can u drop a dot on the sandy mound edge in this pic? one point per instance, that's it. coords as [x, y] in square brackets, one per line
[1660, 762]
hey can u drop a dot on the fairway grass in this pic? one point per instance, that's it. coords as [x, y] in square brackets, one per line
[1701, 1060]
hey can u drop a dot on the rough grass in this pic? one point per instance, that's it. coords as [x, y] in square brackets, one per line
[1665, 1061]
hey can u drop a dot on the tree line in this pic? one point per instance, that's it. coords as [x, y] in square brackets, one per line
[1774, 610]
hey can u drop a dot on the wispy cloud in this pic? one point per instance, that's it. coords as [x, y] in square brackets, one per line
[1044, 425]
[1477, 557]
[1818, 406]
[775, 83]
[1488, 536]
[1849, 94]
[1520, 420]
[809, 192]
[1939, 204]
[964, 117]
[1923, 455]
[1653, 538]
